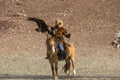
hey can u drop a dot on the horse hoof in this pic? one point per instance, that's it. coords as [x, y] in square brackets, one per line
[74, 72]
[68, 73]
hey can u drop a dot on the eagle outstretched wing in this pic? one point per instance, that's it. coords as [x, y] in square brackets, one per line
[42, 26]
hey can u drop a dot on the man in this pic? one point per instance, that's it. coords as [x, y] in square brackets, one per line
[58, 33]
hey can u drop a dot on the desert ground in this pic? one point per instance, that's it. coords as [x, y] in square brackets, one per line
[92, 23]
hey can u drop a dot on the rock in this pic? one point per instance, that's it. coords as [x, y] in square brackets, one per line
[29, 32]
[20, 14]
[17, 2]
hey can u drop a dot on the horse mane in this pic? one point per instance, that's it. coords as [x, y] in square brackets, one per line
[41, 24]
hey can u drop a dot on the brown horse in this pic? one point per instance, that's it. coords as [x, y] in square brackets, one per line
[52, 50]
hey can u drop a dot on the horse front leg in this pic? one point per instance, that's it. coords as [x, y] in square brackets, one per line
[56, 68]
[52, 68]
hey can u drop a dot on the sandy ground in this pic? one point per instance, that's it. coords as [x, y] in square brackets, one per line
[90, 66]
[93, 24]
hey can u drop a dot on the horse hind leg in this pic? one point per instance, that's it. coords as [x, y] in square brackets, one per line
[68, 67]
[73, 65]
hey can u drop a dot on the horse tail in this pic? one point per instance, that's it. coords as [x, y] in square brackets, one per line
[66, 67]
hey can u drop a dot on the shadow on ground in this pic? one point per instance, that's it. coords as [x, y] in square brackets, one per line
[15, 76]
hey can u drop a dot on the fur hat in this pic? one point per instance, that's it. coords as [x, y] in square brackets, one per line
[59, 23]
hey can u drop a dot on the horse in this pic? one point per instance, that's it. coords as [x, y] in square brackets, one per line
[52, 50]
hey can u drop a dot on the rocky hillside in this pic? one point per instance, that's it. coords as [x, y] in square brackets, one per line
[93, 23]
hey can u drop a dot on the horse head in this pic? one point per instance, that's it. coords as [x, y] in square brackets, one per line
[51, 44]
